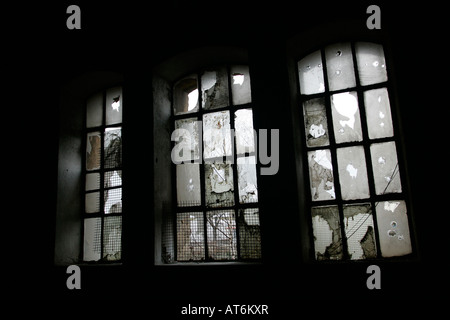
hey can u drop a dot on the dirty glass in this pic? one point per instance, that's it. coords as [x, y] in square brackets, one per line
[240, 85]
[352, 173]
[112, 238]
[327, 233]
[316, 125]
[248, 188]
[114, 105]
[188, 184]
[346, 118]
[219, 185]
[216, 134]
[92, 202]
[91, 241]
[92, 181]
[378, 113]
[221, 235]
[187, 146]
[310, 71]
[113, 200]
[249, 233]
[94, 111]
[185, 95]
[113, 147]
[93, 148]
[340, 71]
[190, 236]
[371, 63]
[385, 168]
[359, 231]
[321, 175]
[214, 84]
[393, 229]
[245, 135]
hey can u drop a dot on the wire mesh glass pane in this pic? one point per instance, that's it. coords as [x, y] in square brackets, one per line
[248, 187]
[112, 238]
[185, 95]
[113, 178]
[221, 235]
[385, 168]
[249, 234]
[378, 113]
[92, 181]
[186, 137]
[316, 126]
[219, 186]
[113, 200]
[340, 69]
[92, 239]
[216, 135]
[310, 71]
[114, 105]
[240, 85]
[188, 185]
[244, 132]
[94, 111]
[92, 202]
[113, 148]
[190, 236]
[346, 118]
[352, 173]
[93, 148]
[327, 233]
[215, 88]
[321, 175]
[371, 63]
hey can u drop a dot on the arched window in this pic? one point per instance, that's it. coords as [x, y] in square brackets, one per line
[355, 188]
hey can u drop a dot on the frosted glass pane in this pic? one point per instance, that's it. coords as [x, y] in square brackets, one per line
[187, 140]
[188, 185]
[385, 168]
[219, 185]
[378, 113]
[92, 181]
[321, 175]
[93, 154]
[249, 233]
[371, 63]
[327, 233]
[112, 239]
[316, 125]
[185, 95]
[113, 178]
[216, 134]
[393, 228]
[346, 118]
[190, 236]
[114, 105]
[248, 187]
[245, 135]
[92, 239]
[359, 232]
[92, 202]
[113, 147]
[352, 173]
[240, 85]
[94, 111]
[221, 235]
[340, 71]
[215, 88]
[113, 200]
[310, 71]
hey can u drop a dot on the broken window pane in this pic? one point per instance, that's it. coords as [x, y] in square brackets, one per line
[221, 235]
[113, 200]
[92, 236]
[245, 135]
[93, 154]
[340, 70]
[240, 85]
[215, 88]
[185, 95]
[352, 173]
[112, 238]
[190, 236]
[216, 134]
[188, 184]
[321, 175]
[315, 122]
[187, 140]
[249, 233]
[92, 202]
[385, 168]
[92, 181]
[371, 63]
[327, 233]
[248, 188]
[359, 231]
[393, 229]
[114, 105]
[219, 185]
[94, 111]
[113, 147]
[378, 113]
[310, 71]
[346, 119]
[113, 178]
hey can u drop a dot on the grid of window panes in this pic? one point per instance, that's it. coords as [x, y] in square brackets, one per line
[214, 156]
[358, 208]
[102, 232]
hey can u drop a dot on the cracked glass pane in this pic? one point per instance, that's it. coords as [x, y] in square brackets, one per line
[340, 69]
[221, 235]
[310, 71]
[92, 236]
[240, 85]
[93, 154]
[316, 122]
[185, 95]
[114, 105]
[215, 88]
[113, 200]
[248, 188]
[327, 233]
[94, 111]
[92, 202]
[113, 178]
[371, 63]
[187, 140]
[113, 147]
[190, 236]
[352, 173]
[188, 185]
[245, 135]
[385, 168]
[112, 238]
[346, 119]
[378, 113]
[92, 181]
[219, 185]
[249, 233]
[393, 228]
[321, 175]
[216, 135]
[359, 231]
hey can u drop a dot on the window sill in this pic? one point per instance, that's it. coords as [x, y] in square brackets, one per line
[207, 264]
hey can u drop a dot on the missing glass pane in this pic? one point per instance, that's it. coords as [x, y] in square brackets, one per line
[93, 154]
[215, 88]
[92, 239]
[190, 236]
[244, 132]
[221, 235]
[352, 173]
[185, 95]
[216, 135]
[385, 168]
[249, 233]
[346, 119]
[321, 175]
[327, 233]
[113, 148]
[371, 63]
[316, 126]
[340, 66]
[240, 89]
[114, 105]
[378, 113]
[187, 137]
[219, 185]
[310, 70]
[188, 185]
[112, 238]
[248, 188]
